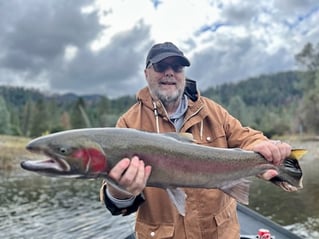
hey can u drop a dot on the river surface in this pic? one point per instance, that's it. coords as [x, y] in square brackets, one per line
[33, 206]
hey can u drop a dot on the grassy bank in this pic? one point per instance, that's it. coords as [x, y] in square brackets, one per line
[12, 150]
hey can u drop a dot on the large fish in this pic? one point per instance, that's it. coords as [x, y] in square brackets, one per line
[176, 161]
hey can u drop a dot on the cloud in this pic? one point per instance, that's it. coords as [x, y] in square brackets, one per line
[35, 36]
[113, 69]
[100, 47]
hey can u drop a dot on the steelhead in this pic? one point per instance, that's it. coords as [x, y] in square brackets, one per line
[176, 161]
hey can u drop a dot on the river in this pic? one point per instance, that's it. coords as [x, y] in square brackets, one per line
[33, 206]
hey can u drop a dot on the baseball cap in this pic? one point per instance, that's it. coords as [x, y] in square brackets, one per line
[161, 51]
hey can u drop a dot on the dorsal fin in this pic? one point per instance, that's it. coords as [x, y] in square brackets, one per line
[184, 137]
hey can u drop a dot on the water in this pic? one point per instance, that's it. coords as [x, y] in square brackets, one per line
[33, 206]
[297, 211]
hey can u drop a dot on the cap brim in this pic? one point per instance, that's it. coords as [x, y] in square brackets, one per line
[162, 56]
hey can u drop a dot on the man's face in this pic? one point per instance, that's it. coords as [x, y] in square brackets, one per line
[166, 80]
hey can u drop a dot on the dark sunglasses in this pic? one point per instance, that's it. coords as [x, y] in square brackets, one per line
[161, 67]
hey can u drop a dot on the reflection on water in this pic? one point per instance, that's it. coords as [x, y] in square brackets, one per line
[32, 206]
[38, 207]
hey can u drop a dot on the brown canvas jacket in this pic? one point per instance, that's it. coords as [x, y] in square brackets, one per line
[210, 213]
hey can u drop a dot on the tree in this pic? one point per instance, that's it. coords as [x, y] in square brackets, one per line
[238, 108]
[65, 120]
[5, 127]
[309, 57]
[309, 110]
[26, 115]
[79, 118]
[40, 119]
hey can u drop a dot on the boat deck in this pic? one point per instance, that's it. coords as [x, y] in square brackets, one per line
[251, 221]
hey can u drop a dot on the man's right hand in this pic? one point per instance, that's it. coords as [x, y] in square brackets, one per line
[132, 175]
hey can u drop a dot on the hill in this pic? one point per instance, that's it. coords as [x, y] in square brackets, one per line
[255, 101]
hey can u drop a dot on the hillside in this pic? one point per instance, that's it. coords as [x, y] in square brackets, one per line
[270, 90]
[255, 101]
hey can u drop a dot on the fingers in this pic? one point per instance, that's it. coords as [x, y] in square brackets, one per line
[273, 151]
[282, 151]
[142, 174]
[131, 174]
[118, 170]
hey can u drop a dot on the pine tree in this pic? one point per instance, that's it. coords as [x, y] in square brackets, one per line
[4, 118]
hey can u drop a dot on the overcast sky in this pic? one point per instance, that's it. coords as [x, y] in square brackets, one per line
[88, 47]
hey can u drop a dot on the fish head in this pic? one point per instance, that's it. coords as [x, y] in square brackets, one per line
[66, 157]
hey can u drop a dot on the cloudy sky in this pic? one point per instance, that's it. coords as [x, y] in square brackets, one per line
[86, 47]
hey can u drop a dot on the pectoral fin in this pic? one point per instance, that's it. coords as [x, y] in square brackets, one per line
[114, 184]
[238, 190]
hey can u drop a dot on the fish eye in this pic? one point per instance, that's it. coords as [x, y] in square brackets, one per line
[63, 150]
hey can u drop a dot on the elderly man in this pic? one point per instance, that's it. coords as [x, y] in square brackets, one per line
[171, 103]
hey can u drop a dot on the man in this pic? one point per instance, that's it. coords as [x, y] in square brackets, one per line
[171, 103]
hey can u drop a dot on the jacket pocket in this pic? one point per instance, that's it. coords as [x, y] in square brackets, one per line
[145, 230]
[215, 137]
[227, 222]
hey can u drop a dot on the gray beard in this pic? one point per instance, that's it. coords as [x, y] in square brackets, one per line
[167, 100]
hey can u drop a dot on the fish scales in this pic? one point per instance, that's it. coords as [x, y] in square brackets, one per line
[175, 161]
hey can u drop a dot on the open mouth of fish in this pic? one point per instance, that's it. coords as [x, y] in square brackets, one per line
[288, 187]
[51, 163]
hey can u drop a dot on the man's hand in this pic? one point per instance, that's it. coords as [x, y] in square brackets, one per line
[131, 174]
[274, 151]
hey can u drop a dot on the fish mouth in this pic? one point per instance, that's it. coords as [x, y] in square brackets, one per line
[52, 164]
[288, 187]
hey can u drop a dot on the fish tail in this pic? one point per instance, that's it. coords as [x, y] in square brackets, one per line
[297, 153]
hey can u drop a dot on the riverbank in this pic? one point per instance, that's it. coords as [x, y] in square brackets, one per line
[12, 150]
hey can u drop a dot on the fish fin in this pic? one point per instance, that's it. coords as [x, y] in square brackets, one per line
[297, 153]
[178, 197]
[238, 190]
[114, 184]
[184, 137]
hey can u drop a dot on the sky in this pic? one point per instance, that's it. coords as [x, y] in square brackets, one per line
[99, 47]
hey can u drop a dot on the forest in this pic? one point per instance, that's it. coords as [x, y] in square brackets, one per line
[277, 104]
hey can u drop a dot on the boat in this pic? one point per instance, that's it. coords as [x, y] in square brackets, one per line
[252, 223]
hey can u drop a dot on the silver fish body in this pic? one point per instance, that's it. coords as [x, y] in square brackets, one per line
[176, 162]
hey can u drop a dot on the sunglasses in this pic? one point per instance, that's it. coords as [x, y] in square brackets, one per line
[161, 67]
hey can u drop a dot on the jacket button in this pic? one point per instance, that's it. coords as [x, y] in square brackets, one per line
[152, 234]
[209, 139]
